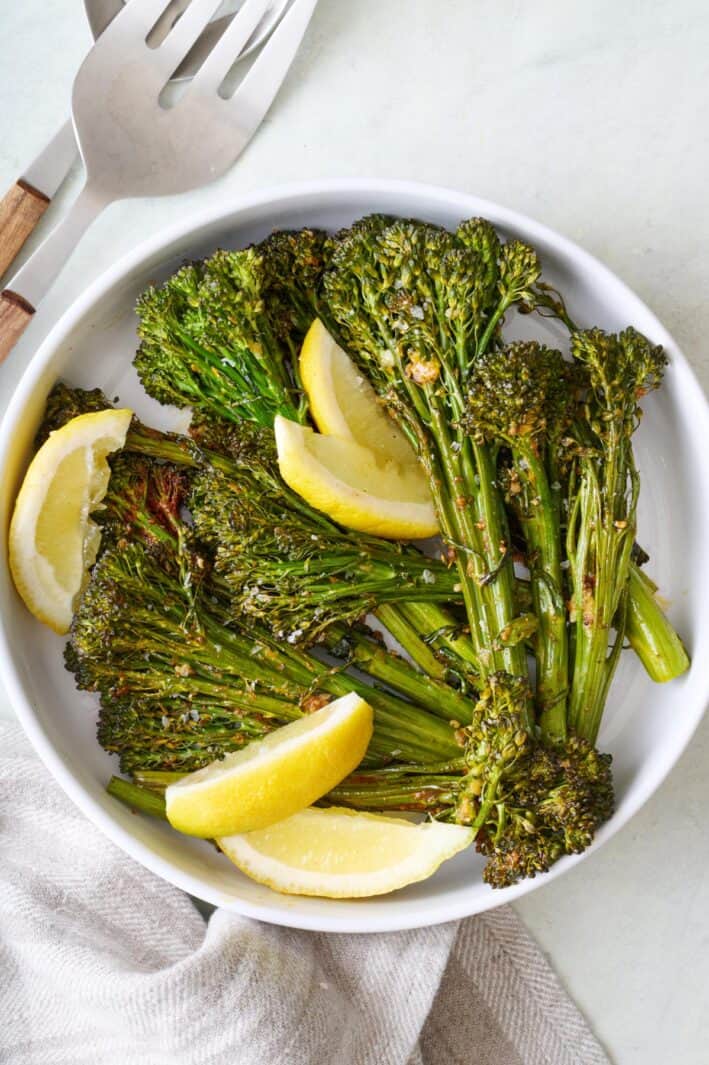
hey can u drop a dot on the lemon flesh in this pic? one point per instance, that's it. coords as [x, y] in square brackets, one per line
[343, 402]
[53, 540]
[359, 488]
[340, 853]
[273, 778]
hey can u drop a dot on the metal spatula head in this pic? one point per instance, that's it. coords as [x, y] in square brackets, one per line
[133, 146]
[102, 12]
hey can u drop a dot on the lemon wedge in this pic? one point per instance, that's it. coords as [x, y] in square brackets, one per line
[342, 401]
[53, 540]
[359, 488]
[273, 778]
[340, 853]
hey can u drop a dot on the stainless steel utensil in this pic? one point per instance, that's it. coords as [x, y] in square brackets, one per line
[24, 204]
[100, 13]
[133, 146]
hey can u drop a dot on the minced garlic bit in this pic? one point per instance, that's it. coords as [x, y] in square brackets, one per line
[423, 371]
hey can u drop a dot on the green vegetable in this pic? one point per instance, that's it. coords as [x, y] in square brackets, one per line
[415, 305]
[221, 335]
[418, 309]
[181, 680]
[647, 629]
[602, 522]
[293, 567]
[148, 802]
[649, 632]
[529, 803]
[286, 563]
[194, 623]
[519, 398]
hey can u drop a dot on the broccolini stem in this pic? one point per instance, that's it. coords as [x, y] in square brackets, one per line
[642, 574]
[538, 515]
[433, 794]
[488, 799]
[138, 798]
[440, 630]
[408, 635]
[598, 550]
[650, 633]
[156, 779]
[432, 788]
[471, 516]
[469, 513]
[428, 789]
[373, 658]
[402, 723]
[495, 318]
[549, 303]
[498, 559]
[407, 725]
[399, 724]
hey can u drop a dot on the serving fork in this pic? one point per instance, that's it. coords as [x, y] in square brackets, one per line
[132, 145]
[23, 205]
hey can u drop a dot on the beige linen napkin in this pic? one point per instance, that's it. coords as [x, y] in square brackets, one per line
[102, 963]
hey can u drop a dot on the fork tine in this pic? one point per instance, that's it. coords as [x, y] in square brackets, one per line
[167, 20]
[225, 53]
[255, 94]
[136, 18]
[178, 41]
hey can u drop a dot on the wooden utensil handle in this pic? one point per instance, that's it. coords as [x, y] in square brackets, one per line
[35, 277]
[15, 315]
[20, 211]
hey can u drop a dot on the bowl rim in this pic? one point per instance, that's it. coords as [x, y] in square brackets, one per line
[300, 195]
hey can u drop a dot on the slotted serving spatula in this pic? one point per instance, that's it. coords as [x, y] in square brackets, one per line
[23, 205]
[133, 146]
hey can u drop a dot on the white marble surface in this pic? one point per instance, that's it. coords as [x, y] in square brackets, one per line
[594, 119]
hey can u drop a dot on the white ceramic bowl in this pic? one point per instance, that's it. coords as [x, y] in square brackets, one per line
[646, 726]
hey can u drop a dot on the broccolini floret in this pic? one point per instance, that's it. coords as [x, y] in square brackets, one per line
[155, 634]
[416, 308]
[529, 803]
[602, 522]
[64, 403]
[402, 302]
[300, 576]
[536, 802]
[222, 336]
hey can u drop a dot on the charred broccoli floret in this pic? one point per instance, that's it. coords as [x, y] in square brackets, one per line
[528, 801]
[416, 306]
[65, 403]
[300, 575]
[143, 501]
[156, 646]
[222, 336]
